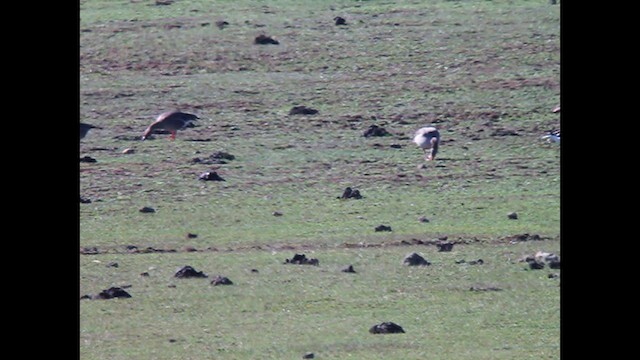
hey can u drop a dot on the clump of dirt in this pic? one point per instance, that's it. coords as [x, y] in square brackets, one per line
[221, 280]
[189, 272]
[210, 176]
[538, 260]
[218, 157]
[414, 259]
[265, 40]
[504, 132]
[221, 24]
[302, 110]
[524, 237]
[383, 228]
[88, 159]
[349, 269]
[351, 194]
[375, 130]
[445, 246]
[301, 259]
[110, 293]
[472, 262]
[386, 328]
[482, 288]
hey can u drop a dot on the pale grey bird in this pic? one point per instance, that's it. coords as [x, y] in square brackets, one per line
[84, 129]
[171, 121]
[428, 138]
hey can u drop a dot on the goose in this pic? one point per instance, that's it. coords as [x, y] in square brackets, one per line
[556, 109]
[171, 121]
[552, 137]
[428, 138]
[84, 129]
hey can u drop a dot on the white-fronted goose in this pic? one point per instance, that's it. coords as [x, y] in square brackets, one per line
[428, 138]
[171, 121]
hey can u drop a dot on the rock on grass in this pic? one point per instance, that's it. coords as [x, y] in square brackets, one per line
[189, 272]
[386, 328]
[414, 259]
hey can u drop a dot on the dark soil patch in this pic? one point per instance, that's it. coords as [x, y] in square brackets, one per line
[351, 194]
[524, 237]
[221, 280]
[349, 269]
[217, 158]
[221, 24]
[87, 159]
[482, 288]
[445, 246]
[302, 110]
[265, 40]
[414, 259]
[111, 293]
[472, 262]
[375, 130]
[210, 176]
[386, 328]
[301, 259]
[504, 132]
[189, 272]
[340, 20]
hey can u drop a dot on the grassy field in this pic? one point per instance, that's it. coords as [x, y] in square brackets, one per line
[486, 73]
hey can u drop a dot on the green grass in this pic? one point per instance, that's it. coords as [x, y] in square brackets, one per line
[472, 68]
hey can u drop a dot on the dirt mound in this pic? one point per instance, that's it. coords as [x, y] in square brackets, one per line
[386, 328]
[265, 40]
[302, 110]
[414, 259]
[301, 259]
[110, 293]
[538, 260]
[221, 280]
[340, 20]
[375, 130]
[217, 158]
[524, 237]
[189, 272]
[445, 246]
[348, 269]
[88, 159]
[210, 176]
[351, 194]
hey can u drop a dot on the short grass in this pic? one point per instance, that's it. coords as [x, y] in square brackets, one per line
[485, 72]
